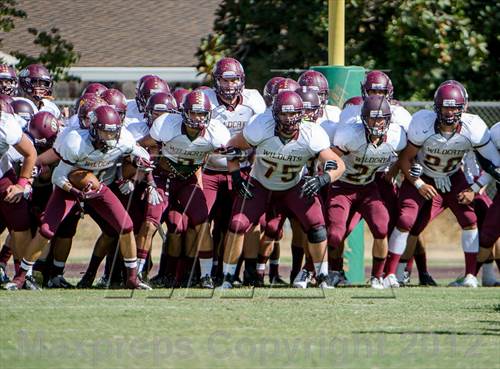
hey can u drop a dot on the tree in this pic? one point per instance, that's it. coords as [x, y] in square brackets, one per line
[420, 42]
[57, 53]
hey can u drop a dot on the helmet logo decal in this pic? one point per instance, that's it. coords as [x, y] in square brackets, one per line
[449, 102]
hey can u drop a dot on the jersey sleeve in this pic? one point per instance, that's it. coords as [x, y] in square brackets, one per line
[351, 114]
[69, 148]
[52, 108]
[255, 101]
[341, 138]
[258, 129]
[402, 117]
[319, 139]
[495, 135]
[220, 135]
[11, 130]
[420, 126]
[127, 141]
[161, 130]
[330, 128]
[480, 135]
[397, 136]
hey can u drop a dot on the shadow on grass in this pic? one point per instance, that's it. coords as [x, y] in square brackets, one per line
[436, 332]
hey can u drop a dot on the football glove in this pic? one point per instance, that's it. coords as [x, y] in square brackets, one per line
[242, 187]
[416, 170]
[312, 185]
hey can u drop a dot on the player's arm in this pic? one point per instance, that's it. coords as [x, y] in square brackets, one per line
[405, 162]
[27, 150]
[332, 163]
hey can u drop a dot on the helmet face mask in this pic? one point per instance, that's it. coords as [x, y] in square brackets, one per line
[288, 111]
[229, 79]
[376, 115]
[449, 104]
[105, 127]
[196, 111]
[8, 80]
[312, 103]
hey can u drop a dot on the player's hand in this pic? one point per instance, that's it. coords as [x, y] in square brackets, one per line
[143, 164]
[312, 185]
[443, 184]
[230, 152]
[89, 193]
[466, 196]
[126, 186]
[14, 194]
[152, 195]
[427, 191]
[242, 186]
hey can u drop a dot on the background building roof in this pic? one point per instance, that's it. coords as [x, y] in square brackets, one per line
[119, 33]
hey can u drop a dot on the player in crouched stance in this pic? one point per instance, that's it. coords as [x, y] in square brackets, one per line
[95, 150]
[365, 147]
[438, 141]
[283, 143]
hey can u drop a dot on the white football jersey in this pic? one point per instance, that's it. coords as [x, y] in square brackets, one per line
[45, 105]
[495, 134]
[176, 145]
[330, 128]
[440, 155]
[77, 150]
[331, 113]
[235, 120]
[363, 159]
[399, 115]
[133, 114]
[10, 134]
[138, 128]
[279, 166]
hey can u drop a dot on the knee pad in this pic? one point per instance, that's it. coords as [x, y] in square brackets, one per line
[317, 235]
[239, 226]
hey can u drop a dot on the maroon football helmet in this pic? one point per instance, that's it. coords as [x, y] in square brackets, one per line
[158, 104]
[5, 107]
[94, 88]
[355, 100]
[196, 102]
[179, 95]
[311, 102]
[8, 80]
[454, 82]
[105, 127]
[148, 85]
[36, 81]
[286, 84]
[87, 104]
[376, 106]
[228, 69]
[24, 109]
[43, 129]
[378, 81]
[268, 89]
[288, 111]
[316, 80]
[117, 100]
[449, 95]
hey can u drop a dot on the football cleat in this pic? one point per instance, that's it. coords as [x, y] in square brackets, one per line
[470, 281]
[31, 284]
[137, 285]
[4, 278]
[323, 281]
[303, 279]
[236, 281]
[338, 278]
[391, 281]
[59, 282]
[206, 282]
[227, 284]
[252, 278]
[86, 281]
[376, 283]
[102, 282]
[425, 279]
[277, 281]
[10, 286]
[158, 280]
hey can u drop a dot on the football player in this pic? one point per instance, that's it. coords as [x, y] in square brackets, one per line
[186, 140]
[283, 143]
[365, 148]
[96, 150]
[438, 141]
[8, 80]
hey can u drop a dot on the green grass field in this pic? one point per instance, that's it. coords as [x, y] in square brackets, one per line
[277, 328]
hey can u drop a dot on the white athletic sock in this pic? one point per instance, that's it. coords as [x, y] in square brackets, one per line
[229, 269]
[397, 241]
[130, 263]
[206, 266]
[261, 266]
[470, 240]
[321, 268]
[28, 266]
[140, 264]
